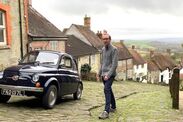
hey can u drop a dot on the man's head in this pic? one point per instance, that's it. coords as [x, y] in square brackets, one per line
[106, 38]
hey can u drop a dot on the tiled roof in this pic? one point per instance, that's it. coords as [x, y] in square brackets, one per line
[122, 51]
[90, 36]
[76, 47]
[137, 58]
[39, 26]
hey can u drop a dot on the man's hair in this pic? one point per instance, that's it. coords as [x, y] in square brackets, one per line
[109, 37]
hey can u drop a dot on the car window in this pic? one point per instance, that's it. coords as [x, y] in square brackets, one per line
[44, 58]
[66, 62]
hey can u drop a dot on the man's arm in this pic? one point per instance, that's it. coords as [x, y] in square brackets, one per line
[114, 63]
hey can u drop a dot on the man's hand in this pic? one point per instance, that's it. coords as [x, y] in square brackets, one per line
[106, 77]
[97, 77]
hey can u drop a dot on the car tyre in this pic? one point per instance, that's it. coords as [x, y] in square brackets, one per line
[4, 98]
[50, 97]
[77, 95]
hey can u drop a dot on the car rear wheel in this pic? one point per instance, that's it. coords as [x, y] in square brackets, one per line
[4, 98]
[50, 97]
[77, 95]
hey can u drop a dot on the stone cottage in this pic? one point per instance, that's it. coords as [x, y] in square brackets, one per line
[125, 62]
[139, 66]
[85, 34]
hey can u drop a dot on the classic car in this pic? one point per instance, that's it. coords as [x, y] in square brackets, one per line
[48, 75]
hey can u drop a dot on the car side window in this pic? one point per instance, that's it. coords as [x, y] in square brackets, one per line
[74, 65]
[66, 62]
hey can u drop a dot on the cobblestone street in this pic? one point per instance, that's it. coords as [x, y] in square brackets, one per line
[68, 110]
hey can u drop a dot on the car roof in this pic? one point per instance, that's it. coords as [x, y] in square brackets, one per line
[50, 51]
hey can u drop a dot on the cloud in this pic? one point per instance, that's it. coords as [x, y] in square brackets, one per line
[80, 7]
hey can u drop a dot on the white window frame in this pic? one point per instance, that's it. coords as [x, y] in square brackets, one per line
[54, 45]
[3, 27]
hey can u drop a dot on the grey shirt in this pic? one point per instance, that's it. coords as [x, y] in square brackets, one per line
[109, 61]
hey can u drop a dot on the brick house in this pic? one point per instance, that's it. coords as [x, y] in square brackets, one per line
[82, 55]
[125, 62]
[139, 66]
[43, 35]
[85, 34]
[13, 31]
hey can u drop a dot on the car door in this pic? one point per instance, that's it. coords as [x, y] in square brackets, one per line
[65, 76]
[75, 76]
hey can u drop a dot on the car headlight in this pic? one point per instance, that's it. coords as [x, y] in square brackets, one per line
[35, 78]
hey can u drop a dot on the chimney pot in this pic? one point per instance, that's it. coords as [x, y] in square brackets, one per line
[87, 21]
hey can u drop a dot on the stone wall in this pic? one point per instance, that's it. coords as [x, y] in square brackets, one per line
[9, 54]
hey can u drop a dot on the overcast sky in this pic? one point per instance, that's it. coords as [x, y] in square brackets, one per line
[124, 19]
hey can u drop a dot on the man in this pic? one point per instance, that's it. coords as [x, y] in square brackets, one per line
[107, 72]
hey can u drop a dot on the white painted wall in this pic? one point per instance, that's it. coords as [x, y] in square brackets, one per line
[140, 71]
[181, 71]
[74, 31]
[166, 76]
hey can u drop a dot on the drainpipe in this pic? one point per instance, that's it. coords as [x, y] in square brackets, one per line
[20, 23]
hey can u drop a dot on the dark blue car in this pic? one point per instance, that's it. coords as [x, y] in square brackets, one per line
[48, 75]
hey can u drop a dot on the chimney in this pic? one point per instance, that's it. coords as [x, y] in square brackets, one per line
[133, 47]
[151, 53]
[30, 2]
[87, 21]
[99, 34]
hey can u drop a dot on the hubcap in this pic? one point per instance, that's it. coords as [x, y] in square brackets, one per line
[52, 97]
[79, 92]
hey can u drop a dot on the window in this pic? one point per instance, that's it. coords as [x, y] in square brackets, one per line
[2, 28]
[53, 45]
[66, 62]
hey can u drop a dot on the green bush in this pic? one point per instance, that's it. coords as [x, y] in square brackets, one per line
[85, 71]
[86, 68]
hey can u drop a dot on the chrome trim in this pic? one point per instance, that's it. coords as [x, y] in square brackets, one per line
[68, 70]
[59, 75]
[21, 88]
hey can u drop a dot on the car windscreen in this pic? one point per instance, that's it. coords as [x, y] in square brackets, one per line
[43, 58]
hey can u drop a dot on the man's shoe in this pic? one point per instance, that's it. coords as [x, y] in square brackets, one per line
[112, 110]
[104, 115]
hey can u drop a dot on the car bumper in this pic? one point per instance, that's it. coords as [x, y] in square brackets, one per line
[21, 88]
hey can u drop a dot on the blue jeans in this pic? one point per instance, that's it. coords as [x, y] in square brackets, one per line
[109, 96]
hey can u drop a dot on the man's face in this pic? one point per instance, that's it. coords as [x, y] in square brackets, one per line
[105, 39]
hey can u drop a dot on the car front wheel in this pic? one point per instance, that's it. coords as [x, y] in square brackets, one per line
[50, 97]
[78, 93]
[4, 98]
